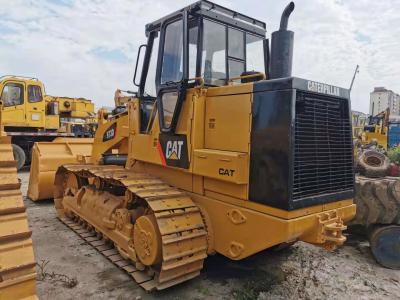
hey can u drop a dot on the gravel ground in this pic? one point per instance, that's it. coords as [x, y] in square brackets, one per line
[68, 268]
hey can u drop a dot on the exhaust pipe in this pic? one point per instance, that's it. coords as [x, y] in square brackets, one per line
[282, 47]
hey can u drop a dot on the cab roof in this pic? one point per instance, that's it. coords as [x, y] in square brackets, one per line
[18, 77]
[217, 13]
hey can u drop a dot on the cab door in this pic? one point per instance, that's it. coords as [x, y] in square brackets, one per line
[35, 106]
[172, 72]
[172, 83]
[13, 103]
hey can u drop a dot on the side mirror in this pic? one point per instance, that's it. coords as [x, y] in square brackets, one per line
[137, 64]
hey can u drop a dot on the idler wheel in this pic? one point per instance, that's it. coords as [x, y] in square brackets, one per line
[147, 240]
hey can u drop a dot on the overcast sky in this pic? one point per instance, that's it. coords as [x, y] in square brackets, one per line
[88, 48]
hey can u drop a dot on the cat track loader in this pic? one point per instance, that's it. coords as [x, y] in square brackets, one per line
[226, 153]
[17, 262]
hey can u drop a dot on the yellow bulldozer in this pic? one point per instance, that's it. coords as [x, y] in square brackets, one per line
[221, 150]
[29, 115]
[17, 262]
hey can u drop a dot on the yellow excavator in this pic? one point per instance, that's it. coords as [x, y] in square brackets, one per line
[221, 150]
[17, 262]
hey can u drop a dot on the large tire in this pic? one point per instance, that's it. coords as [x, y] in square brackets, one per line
[385, 245]
[19, 156]
[374, 164]
[377, 200]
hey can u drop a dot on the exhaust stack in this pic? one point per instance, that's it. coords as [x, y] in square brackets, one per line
[282, 47]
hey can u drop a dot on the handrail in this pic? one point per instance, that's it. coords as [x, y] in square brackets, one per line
[248, 76]
[201, 79]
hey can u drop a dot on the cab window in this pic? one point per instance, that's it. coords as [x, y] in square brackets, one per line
[214, 53]
[169, 101]
[236, 60]
[254, 53]
[150, 84]
[13, 94]
[34, 93]
[229, 52]
[193, 33]
[172, 63]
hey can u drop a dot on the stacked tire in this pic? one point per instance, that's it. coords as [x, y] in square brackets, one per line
[372, 163]
[378, 210]
[377, 200]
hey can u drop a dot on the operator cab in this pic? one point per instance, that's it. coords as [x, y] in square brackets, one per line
[21, 102]
[201, 43]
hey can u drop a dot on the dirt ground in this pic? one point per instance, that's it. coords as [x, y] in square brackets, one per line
[68, 268]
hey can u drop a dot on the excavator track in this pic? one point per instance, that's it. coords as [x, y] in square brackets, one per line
[17, 263]
[178, 223]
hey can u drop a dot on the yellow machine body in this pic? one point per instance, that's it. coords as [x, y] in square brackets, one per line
[118, 145]
[223, 196]
[17, 262]
[24, 104]
[71, 111]
[228, 162]
[209, 207]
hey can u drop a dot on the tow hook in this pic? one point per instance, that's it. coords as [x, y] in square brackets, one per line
[328, 233]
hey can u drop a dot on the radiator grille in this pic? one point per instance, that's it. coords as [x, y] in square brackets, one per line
[323, 158]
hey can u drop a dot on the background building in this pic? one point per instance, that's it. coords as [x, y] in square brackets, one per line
[381, 99]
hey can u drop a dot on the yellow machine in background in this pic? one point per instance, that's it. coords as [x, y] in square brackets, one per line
[223, 152]
[30, 116]
[75, 115]
[17, 262]
[377, 129]
[359, 120]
